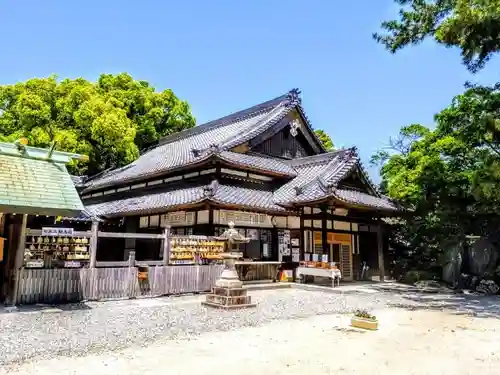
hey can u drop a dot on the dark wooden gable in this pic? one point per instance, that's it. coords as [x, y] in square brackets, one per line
[356, 181]
[284, 145]
[286, 141]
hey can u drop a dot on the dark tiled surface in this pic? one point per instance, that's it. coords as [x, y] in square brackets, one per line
[178, 150]
[311, 178]
[223, 194]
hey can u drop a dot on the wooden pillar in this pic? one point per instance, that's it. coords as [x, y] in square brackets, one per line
[18, 262]
[93, 244]
[380, 249]
[324, 235]
[165, 245]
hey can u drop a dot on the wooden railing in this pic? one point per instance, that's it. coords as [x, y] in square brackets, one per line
[257, 271]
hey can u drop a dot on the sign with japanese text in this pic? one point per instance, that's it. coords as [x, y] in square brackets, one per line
[57, 231]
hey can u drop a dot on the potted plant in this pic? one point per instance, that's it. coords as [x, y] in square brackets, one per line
[362, 319]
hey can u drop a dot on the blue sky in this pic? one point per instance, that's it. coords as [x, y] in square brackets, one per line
[222, 56]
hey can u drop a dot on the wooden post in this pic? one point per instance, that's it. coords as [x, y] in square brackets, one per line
[94, 236]
[132, 277]
[380, 248]
[165, 245]
[131, 259]
[18, 261]
[93, 244]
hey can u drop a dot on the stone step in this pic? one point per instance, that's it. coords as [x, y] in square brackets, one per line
[228, 300]
[229, 291]
[228, 307]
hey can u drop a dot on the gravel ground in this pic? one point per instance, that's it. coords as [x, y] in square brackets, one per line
[77, 330]
[81, 329]
[407, 342]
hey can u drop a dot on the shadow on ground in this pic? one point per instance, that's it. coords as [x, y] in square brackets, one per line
[47, 308]
[462, 304]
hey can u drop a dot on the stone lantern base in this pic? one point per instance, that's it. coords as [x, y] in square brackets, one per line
[228, 292]
[228, 298]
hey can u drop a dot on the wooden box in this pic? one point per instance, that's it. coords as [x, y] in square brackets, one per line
[369, 324]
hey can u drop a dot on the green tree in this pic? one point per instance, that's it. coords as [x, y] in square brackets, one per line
[325, 139]
[110, 120]
[471, 25]
[447, 178]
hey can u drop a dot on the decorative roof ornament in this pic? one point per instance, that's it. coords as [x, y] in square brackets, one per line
[210, 190]
[293, 97]
[232, 235]
[196, 152]
[214, 149]
[294, 126]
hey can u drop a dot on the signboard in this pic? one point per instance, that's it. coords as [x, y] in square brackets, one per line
[265, 251]
[72, 264]
[46, 231]
[338, 237]
[179, 219]
[240, 218]
[34, 264]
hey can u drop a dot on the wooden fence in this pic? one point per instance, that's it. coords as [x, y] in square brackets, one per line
[74, 285]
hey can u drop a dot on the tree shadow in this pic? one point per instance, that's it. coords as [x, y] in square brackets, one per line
[47, 308]
[460, 304]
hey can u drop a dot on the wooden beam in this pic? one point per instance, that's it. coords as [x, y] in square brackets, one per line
[131, 235]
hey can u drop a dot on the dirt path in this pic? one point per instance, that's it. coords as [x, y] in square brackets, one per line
[419, 342]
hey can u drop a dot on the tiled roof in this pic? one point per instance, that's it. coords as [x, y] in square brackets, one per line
[318, 178]
[78, 181]
[246, 198]
[259, 163]
[215, 193]
[35, 181]
[311, 179]
[85, 215]
[306, 187]
[186, 148]
[363, 199]
[147, 203]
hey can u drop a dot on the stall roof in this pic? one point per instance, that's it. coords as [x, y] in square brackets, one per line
[36, 181]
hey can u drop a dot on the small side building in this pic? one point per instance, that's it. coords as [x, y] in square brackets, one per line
[262, 168]
[34, 183]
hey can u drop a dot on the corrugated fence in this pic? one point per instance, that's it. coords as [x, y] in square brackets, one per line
[75, 285]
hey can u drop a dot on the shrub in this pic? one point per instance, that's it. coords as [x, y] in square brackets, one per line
[364, 315]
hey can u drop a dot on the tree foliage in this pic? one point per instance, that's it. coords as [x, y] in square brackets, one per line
[448, 178]
[471, 25]
[110, 120]
[325, 139]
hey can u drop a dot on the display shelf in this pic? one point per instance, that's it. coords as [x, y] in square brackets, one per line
[55, 250]
[195, 250]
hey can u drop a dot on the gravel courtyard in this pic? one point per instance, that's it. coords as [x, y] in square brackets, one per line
[292, 331]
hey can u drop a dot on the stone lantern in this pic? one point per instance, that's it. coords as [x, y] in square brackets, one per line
[228, 292]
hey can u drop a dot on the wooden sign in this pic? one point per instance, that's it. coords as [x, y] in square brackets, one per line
[179, 218]
[338, 237]
[46, 231]
[318, 238]
[72, 264]
[240, 218]
[34, 264]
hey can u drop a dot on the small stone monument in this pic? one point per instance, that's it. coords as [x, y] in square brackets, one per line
[228, 292]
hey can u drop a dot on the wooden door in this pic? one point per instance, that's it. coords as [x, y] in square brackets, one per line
[346, 261]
